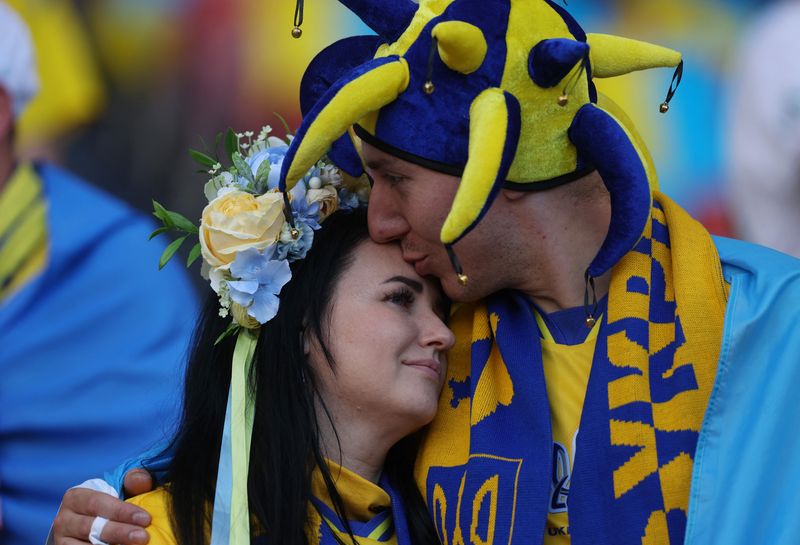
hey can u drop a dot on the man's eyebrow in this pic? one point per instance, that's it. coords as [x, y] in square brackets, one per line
[410, 282]
[381, 163]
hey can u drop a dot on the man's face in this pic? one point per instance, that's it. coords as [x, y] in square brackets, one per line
[409, 203]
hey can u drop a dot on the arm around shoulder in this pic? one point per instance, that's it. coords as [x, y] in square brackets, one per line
[157, 504]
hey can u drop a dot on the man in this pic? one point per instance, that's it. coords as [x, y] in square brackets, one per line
[620, 376]
[88, 369]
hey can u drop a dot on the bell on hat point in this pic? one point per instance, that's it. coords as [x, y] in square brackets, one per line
[463, 279]
[590, 321]
[563, 100]
[428, 87]
[664, 108]
[294, 232]
[297, 32]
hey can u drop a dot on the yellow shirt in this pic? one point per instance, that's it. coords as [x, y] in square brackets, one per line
[362, 499]
[566, 371]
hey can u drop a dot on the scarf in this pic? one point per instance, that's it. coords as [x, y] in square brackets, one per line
[486, 463]
[23, 230]
[376, 514]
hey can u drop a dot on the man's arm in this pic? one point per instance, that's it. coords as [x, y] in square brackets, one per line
[126, 522]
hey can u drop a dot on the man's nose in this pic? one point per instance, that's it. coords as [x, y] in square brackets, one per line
[385, 222]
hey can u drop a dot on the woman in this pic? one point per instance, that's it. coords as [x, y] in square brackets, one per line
[350, 366]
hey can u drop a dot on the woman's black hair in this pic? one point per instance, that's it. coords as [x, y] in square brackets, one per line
[285, 446]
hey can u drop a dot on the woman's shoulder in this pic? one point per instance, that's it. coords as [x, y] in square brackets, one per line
[157, 504]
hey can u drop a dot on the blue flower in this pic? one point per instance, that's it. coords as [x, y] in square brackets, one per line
[261, 279]
[348, 200]
[303, 211]
[294, 249]
[275, 157]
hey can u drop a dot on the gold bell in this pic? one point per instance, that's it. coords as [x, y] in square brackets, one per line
[297, 32]
[563, 100]
[463, 279]
[590, 321]
[294, 232]
[428, 87]
[664, 108]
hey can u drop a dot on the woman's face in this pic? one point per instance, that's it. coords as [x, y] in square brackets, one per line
[388, 340]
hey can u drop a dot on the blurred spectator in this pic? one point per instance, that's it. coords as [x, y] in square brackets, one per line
[764, 131]
[92, 336]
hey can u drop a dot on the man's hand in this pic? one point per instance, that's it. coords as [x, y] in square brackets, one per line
[126, 522]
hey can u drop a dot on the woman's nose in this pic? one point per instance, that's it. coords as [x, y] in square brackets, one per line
[438, 335]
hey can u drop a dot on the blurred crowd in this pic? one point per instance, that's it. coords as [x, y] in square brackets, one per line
[127, 86]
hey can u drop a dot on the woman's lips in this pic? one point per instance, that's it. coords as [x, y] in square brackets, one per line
[430, 367]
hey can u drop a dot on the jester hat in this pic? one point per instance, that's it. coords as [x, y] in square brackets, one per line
[497, 92]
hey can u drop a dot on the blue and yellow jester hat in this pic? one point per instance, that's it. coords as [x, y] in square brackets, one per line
[497, 92]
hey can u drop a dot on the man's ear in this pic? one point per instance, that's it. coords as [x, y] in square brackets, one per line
[6, 113]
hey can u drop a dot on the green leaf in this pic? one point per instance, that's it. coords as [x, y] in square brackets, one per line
[283, 122]
[262, 175]
[231, 143]
[193, 255]
[157, 232]
[243, 168]
[230, 330]
[170, 251]
[202, 159]
[182, 223]
[161, 213]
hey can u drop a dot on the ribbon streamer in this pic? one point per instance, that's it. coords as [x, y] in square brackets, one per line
[231, 518]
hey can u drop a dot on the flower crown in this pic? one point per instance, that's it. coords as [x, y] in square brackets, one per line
[250, 231]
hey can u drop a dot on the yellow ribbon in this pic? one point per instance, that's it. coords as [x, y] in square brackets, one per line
[242, 404]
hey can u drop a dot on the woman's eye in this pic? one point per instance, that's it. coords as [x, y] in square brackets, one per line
[402, 297]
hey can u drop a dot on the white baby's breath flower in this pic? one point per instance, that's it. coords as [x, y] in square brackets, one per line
[248, 134]
[265, 130]
[224, 299]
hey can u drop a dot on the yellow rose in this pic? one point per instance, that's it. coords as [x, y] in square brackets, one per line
[327, 198]
[236, 221]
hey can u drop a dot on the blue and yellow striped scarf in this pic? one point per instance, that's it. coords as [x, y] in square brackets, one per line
[485, 466]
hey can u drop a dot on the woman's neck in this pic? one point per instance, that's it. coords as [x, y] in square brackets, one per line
[355, 445]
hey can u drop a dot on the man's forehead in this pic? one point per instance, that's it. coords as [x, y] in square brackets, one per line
[375, 158]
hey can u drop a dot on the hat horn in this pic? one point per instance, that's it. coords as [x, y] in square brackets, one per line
[365, 89]
[494, 128]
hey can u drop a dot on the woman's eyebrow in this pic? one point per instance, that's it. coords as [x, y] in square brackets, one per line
[410, 282]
